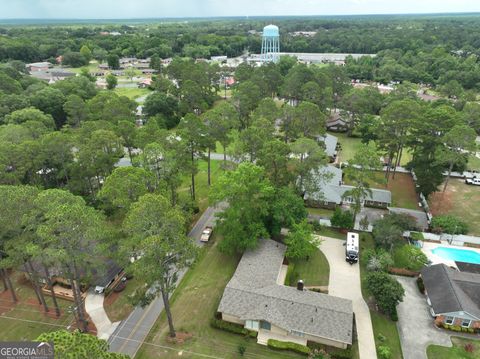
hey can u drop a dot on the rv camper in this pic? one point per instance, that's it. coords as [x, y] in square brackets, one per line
[352, 248]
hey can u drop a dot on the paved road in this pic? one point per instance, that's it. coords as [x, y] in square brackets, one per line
[344, 282]
[415, 325]
[131, 332]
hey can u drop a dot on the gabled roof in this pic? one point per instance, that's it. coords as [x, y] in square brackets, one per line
[419, 216]
[253, 294]
[330, 143]
[452, 291]
[331, 189]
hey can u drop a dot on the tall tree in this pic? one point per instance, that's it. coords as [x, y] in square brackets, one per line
[459, 142]
[157, 233]
[248, 193]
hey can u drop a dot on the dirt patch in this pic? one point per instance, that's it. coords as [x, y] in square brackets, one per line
[90, 328]
[441, 202]
[112, 297]
[6, 302]
[181, 337]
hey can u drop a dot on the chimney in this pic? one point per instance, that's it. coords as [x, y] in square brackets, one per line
[300, 285]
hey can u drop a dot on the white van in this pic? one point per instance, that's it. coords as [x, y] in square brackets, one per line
[352, 248]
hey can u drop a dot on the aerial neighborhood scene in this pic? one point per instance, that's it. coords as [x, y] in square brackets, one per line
[240, 179]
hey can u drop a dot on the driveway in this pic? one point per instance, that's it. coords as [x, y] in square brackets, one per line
[94, 308]
[344, 282]
[415, 324]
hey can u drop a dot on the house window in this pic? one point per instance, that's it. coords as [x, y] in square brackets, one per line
[265, 325]
[466, 323]
[252, 324]
[449, 320]
[297, 333]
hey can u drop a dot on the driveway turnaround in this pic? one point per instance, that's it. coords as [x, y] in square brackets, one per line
[131, 332]
[344, 282]
[415, 325]
[94, 308]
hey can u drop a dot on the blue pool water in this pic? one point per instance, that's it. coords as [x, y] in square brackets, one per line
[459, 255]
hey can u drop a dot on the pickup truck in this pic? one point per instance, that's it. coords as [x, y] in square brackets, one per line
[473, 181]
[206, 234]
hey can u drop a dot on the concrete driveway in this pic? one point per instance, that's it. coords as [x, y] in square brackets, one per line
[344, 282]
[94, 308]
[415, 324]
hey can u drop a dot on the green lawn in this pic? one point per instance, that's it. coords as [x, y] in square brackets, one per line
[456, 352]
[194, 304]
[120, 308]
[460, 200]
[382, 325]
[473, 163]
[327, 213]
[314, 272]
[330, 232]
[131, 92]
[201, 184]
[350, 146]
[26, 320]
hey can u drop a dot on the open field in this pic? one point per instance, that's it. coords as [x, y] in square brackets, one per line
[382, 325]
[26, 319]
[460, 200]
[314, 272]
[194, 304]
[456, 352]
[131, 92]
[402, 188]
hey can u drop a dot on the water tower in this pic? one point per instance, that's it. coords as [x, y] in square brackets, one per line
[270, 44]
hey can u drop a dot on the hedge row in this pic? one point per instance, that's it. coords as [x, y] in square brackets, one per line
[458, 328]
[232, 327]
[420, 285]
[279, 345]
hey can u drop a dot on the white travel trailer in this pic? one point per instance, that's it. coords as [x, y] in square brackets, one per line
[352, 248]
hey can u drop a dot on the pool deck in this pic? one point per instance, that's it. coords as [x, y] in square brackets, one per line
[429, 246]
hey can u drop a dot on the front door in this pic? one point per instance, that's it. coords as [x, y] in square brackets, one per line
[265, 325]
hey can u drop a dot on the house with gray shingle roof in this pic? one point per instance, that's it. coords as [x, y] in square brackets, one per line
[331, 190]
[454, 296]
[256, 298]
[330, 143]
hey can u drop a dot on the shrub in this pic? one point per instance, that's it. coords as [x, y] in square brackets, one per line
[384, 352]
[381, 337]
[242, 349]
[232, 327]
[342, 219]
[388, 292]
[279, 345]
[420, 285]
[319, 354]
[449, 224]
[377, 260]
[410, 257]
[469, 348]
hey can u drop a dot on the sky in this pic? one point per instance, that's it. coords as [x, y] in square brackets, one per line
[123, 9]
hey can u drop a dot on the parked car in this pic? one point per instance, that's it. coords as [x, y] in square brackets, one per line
[473, 181]
[206, 234]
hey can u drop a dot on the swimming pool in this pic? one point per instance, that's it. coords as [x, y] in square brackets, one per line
[458, 255]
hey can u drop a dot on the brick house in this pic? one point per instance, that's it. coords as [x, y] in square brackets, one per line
[453, 296]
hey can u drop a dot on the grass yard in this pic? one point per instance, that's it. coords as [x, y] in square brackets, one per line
[473, 163]
[117, 305]
[402, 188]
[26, 320]
[383, 328]
[459, 200]
[350, 146]
[314, 272]
[323, 212]
[456, 352]
[330, 232]
[201, 184]
[131, 92]
[194, 304]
